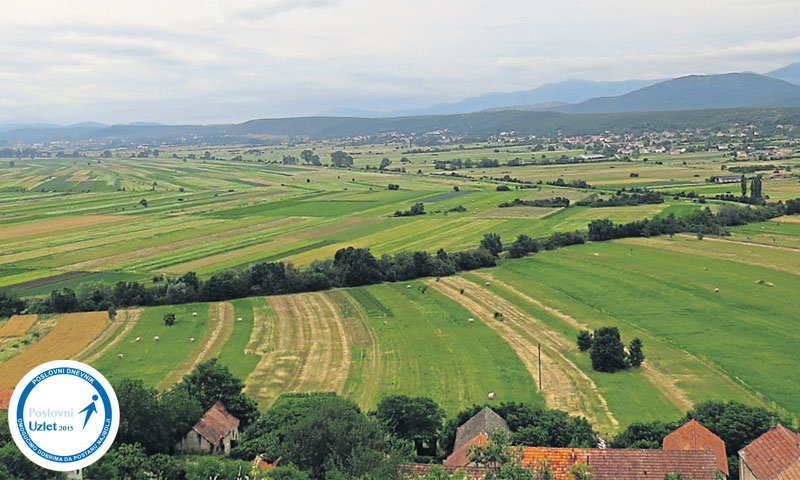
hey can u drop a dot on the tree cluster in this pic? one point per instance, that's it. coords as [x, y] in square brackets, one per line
[622, 200]
[607, 350]
[325, 436]
[556, 202]
[341, 159]
[572, 184]
[417, 209]
[702, 221]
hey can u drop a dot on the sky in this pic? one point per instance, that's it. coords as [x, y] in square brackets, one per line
[212, 61]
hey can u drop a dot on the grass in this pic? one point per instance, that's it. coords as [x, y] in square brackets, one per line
[428, 348]
[233, 354]
[671, 297]
[152, 361]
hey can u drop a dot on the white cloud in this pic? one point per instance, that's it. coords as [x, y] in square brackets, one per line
[213, 60]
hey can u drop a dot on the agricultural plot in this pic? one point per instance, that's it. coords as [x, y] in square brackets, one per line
[237, 353]
[72, 333]
[669, 293]
[153, 360]
[306, 350]
[425, 345]
[17, 326]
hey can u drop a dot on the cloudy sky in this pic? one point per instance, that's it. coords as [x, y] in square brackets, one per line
[208, 61]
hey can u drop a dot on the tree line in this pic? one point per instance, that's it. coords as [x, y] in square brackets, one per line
[622, 200]
[701, 222]
[556, 202]
[352, 267]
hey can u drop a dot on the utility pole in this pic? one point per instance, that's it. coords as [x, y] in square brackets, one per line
[540, 367]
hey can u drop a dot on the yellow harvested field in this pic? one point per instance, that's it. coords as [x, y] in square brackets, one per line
[57, 225]
[17, 325]
[79, 176]
[309, 349]
[72, 333]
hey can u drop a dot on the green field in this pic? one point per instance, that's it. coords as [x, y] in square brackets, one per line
[65, 222]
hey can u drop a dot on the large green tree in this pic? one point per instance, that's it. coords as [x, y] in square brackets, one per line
[341, 159]
[324, 435]
[608, 351]
[211, 382]
[416, 419]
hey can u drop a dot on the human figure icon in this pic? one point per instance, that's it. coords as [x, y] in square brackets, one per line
[90, 409]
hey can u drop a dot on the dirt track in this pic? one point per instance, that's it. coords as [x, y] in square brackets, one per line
[666, 384]
[564, 385]
[219, 328]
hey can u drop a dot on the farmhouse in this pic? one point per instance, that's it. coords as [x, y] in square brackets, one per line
[727, 179]
[215, 433]
[693, 436]
[483, 424]
[772, 456]
[692, 450]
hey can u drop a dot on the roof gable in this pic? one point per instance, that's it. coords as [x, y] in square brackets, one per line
[486, 421]
[774, 455]
[460, 457]
[694, 436]
[216, 424]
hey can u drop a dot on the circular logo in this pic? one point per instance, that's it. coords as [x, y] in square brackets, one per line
[63, 415]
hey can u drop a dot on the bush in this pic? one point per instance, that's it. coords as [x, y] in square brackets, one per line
[503, 188]
[584, 340]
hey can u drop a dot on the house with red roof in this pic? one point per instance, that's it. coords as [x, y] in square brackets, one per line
[692, 451]
[215, 433]
[772, 456]
[693, 436]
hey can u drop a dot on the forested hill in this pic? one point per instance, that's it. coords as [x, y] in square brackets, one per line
[479, 125]
[731, 90]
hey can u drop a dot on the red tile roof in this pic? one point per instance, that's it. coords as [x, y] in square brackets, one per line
[774, 455]
[216, 424]
[5, 398]
[460, 457]
[694, 436]
[414, 470]
[616, 464]
[263, 464]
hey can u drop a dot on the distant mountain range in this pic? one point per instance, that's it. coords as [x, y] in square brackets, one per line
[479, 125]
[586, 96]
[697, 92]
[569, 106]
[570, 91]
[790, 73]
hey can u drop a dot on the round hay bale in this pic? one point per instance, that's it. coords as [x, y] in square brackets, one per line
[408, 286]
[239, 319]
[487, 284]
[471, 320]
[716, 290]
[138, 339]
[120, 356]
[492, 395]
[156, 338]
[194, 314]
[191, 339]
